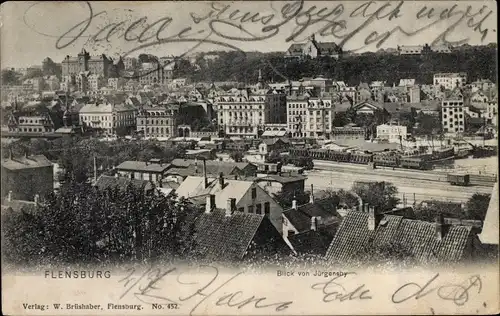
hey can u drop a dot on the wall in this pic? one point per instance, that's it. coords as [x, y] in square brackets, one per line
[262, 197]
[25, 183]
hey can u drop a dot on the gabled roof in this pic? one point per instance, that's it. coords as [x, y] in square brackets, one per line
[104, 182]
[416, 237]
[143, 166]
[221, 237]
[19, 163]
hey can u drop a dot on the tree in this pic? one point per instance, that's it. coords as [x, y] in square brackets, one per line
[82, 224]
[381, 195]
[477, 206]
[237, 156]
[33, 73]
[10, 77]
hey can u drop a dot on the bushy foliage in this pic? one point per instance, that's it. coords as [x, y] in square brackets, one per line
[82, 224]
[75, 156]
[477, 61]
[381, 195]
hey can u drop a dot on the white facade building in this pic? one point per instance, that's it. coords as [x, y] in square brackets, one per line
[108, 117]
[453, 115]
[392, 133]
[450, 80]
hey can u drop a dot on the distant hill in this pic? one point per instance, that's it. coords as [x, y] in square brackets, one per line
[479, 62]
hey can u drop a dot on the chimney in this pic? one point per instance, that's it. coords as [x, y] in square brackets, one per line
[210, 205]
[294, 203]
[372, 224]
[9, 196]
[37, 198]
[221, 180]
[231, 205]
[314, 223]
[311, 196]
[205, 173]
[439, 226]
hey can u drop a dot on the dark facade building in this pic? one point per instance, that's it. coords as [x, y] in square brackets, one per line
[26, 177]
[99, 65]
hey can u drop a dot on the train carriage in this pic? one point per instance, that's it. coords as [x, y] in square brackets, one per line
[413, 163]
[386, 160]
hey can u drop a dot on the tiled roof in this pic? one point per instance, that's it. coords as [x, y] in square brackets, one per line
[104, 182]
[415, 236]
[143, 166]
[18, 163]
[300, 218]
[222, 237]
[314, 241]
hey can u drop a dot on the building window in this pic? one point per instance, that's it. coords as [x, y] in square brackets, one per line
[254, 193]
[250, 209]
[241, 209]
[258, 209]
[267, 208]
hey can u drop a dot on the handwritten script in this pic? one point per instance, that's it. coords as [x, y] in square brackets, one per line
[225, 24]
[146, 287]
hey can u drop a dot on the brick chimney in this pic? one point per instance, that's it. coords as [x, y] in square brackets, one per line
[37, 198]
[372, 220]
[221, 180]
[314, 223]
[210, 205]
[311, 196]
[231, 205]
[9, 196]
[439, 226]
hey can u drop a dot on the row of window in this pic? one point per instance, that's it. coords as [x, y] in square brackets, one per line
[257, 209]
[157, 130]
[154, 122]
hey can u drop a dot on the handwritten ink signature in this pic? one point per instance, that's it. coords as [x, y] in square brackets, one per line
[151, 277]
[459, 294]
[335, 291]
[148, 290]
[218, 25]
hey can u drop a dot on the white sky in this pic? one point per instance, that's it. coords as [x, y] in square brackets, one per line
[23, 45]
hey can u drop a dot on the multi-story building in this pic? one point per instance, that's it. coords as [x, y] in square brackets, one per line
[150, 76]
[450, 80]
[108, 117]
[116, 83]
[392, 133]
[492, 112]
[82, 81]
[41, 123]
[130, 63]
[245, 112]
[453, 114]
[313, 49]
[96, 82]
[157, 121]
[319, 118]
[99, 65]
[34, 84]
[52, 83]
[296, 108]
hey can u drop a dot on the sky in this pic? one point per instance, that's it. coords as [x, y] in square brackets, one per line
[32, 31]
